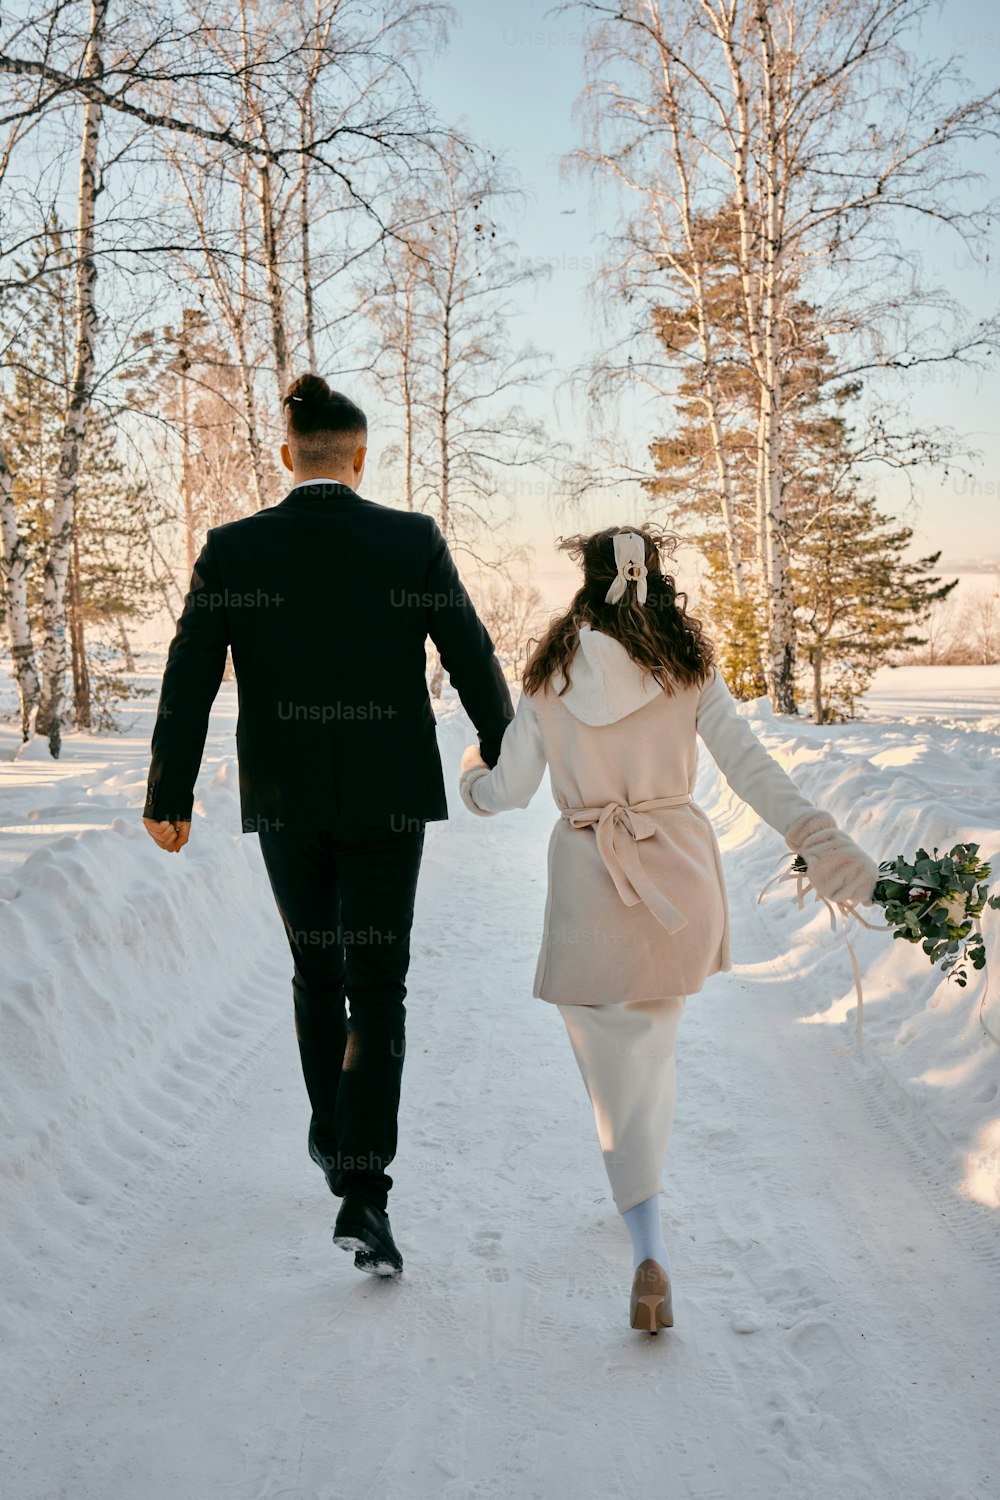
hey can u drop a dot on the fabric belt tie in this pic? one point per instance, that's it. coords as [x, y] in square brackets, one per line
[619, 828]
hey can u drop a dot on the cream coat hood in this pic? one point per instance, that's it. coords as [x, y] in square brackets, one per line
[605, 683]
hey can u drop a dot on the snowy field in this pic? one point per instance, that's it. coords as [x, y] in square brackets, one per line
[177, 1324]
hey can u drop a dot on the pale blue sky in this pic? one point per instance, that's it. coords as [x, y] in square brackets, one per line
[512, 73]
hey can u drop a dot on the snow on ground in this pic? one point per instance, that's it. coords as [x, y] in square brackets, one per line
[177, 1324]
[966, 696]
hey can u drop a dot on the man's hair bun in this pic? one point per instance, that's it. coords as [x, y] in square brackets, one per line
[308, 390]
[318, 414]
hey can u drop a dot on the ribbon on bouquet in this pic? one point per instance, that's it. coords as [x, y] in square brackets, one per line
[986, 988]
[846, 909]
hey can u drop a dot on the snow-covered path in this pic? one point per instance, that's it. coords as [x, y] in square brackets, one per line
[837, 1300]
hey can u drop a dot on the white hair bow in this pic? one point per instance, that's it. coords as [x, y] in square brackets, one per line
[630, 556]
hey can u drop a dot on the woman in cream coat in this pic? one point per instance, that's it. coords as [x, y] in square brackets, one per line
[615, 696]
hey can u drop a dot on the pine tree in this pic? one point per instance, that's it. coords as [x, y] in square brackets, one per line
[739, 626]
[858, 598]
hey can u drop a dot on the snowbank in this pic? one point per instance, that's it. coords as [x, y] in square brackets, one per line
[894, 785]
[131, 985]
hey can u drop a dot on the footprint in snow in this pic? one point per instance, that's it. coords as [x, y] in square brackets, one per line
[486, 1243]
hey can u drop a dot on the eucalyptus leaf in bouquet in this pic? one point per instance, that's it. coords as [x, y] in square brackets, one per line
[937, 902]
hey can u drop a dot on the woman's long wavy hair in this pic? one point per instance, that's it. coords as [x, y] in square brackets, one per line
[659, 635]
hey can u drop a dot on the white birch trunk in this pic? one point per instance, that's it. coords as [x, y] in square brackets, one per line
[444, 416]
[696, 282]
[308, 305]
[275, 291]
[760, 492]
[319, 38]
[246, 373]
[256, 126]
[761, 281]
[187, 497]
[14, 572]
[781, 631]
[407, 355]
[78, 410]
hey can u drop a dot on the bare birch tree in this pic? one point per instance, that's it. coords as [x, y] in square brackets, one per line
[271, 241]
[512, 611]
[823, 134]
[57, 564]
[227, 278]
[980, 624]
[392, 301]
[59, 74]
[14, 557]
[439, 310]
[217, 99]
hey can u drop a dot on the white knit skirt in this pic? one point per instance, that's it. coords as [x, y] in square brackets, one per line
[627, 1055]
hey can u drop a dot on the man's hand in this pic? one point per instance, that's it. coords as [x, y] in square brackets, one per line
[169, 836]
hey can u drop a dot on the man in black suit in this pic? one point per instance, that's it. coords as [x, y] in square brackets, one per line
[326, 601]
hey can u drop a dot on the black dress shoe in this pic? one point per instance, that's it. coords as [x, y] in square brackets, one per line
[363, 1228]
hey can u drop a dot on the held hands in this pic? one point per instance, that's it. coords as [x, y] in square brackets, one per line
[838, 868]
[472, 769]
[169, 836]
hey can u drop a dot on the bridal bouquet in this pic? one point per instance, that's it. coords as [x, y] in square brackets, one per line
[931, 900]
[937, 903]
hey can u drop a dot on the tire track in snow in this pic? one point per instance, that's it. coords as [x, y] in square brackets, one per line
[873, 1215]
[134, 1165]
[892, 1112]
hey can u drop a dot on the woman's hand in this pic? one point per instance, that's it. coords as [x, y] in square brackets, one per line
[472, 770]
[838, 868]
[472, 760]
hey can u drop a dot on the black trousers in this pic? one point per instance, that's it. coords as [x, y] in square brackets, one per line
[347, 907]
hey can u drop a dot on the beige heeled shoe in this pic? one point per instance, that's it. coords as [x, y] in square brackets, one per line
[651, 1307]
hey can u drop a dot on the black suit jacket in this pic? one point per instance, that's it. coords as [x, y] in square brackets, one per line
[326, 601]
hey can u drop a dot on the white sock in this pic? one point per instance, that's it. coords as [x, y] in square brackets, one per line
[646, 1233]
